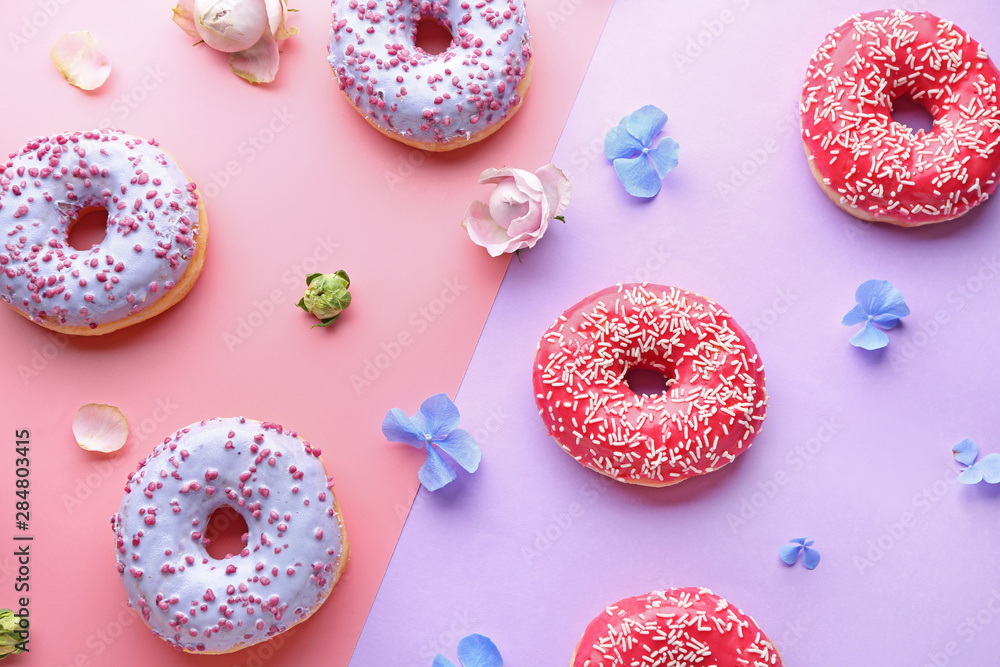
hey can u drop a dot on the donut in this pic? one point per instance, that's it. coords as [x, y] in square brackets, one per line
[681, 626]
[877, 169]
[148, 261]
[433, 102]
[296, 546]
[712, 408]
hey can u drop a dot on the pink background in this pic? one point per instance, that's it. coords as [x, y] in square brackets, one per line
[295, 182]
[855, 452]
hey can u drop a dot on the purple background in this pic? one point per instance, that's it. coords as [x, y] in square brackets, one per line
[855, 452]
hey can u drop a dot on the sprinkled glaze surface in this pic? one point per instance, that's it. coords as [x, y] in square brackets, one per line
[876, 168]
[682, 626]
[295, 549]
[431, 99]
[153, 218]
[713, 406]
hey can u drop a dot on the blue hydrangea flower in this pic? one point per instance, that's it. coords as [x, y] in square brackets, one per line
[434, 427]
[641, 166]
[790, 552]
[473, 651]
[987, 468]
[879, 307]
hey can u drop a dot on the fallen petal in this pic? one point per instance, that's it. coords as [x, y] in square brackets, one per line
[100, 428]
[259, 63]
[80, 60]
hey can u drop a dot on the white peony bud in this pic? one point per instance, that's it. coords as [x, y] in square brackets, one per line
[230, 25]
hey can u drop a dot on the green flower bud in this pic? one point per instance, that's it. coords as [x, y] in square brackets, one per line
[11, 633]
[326, 296]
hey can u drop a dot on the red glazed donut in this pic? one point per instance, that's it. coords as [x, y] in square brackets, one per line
[875, 168]
[710, 413]
[681, 626]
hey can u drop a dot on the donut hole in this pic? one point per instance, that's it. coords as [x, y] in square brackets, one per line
[912, 115]
[226, 531]
[88, 229]
[432, 36]
[647, 382]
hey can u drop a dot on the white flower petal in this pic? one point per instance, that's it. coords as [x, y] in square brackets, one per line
[100, 428]
[484, 231]
[527, 182]
[259, 63]
[277, 19]
[507, 203]
[184, 17]
[557, 187]
[79, 59]
[275, 15]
